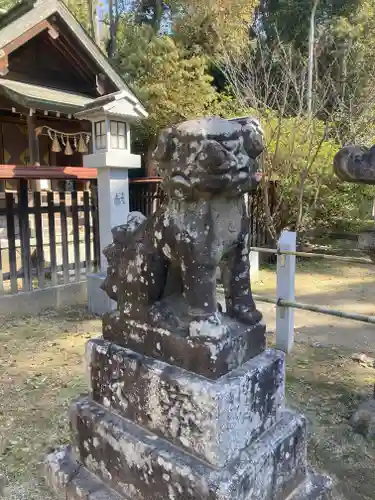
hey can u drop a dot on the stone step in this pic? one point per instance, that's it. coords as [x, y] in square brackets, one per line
[72, 481]
[128, 457]
[212, 419]
[315, 487]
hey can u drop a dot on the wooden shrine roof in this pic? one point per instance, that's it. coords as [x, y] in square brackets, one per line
[44, 98]
[53, 24]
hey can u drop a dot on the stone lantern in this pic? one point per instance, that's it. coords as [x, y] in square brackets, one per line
[111, 117]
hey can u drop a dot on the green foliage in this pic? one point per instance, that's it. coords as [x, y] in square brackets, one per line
[80, 10]
[290, 19]
[300, 156]
[174, 85]
[212, 25]
[344, 206]
[200, 27]
[344, 52]
[346, 47]
[7, 4]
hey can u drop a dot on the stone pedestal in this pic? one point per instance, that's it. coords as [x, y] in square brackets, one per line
[153, 429]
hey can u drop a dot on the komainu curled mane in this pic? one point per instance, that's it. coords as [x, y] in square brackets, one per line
[162, 270]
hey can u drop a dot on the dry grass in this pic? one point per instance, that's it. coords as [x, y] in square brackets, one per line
[42, 370]
[326, 385]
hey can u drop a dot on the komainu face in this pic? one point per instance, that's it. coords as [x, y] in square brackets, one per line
[209, 156]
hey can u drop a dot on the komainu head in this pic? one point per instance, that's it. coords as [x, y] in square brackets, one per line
[209, 156]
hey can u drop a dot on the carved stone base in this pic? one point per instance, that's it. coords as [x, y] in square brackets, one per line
[225, 347]
[70, 480]
[136, 463]
[212, 419]
[153, 431]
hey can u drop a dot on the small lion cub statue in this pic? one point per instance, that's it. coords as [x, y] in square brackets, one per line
[162, 270]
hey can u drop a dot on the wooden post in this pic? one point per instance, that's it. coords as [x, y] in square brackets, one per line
[33, 139]
[286, 270]
[33, 146]
[23, 214]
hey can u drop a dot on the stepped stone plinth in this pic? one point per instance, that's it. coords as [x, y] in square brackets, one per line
[185, 402]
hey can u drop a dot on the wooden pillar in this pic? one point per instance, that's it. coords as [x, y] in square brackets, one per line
[33, 146]
[24, 225]
[33, 139]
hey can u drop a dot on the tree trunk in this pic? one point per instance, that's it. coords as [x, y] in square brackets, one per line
[113, 20]
[93, 17]
[311, 58]
[158, 15]
[150, 164]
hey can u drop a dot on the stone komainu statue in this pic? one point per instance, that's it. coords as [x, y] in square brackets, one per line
[355, 164]
[162, 269]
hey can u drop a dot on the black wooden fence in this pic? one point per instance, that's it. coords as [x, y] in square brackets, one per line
[146, 195]
[52, 237]
[47, 238]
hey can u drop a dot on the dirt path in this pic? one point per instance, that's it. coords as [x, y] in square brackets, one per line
[348, 288]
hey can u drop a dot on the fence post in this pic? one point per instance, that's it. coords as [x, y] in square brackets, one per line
[254, 265]
[24, 228]
[286, 268]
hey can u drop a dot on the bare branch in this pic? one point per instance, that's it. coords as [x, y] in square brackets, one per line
[271, 83]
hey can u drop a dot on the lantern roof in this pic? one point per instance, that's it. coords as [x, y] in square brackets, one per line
[122, 105]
